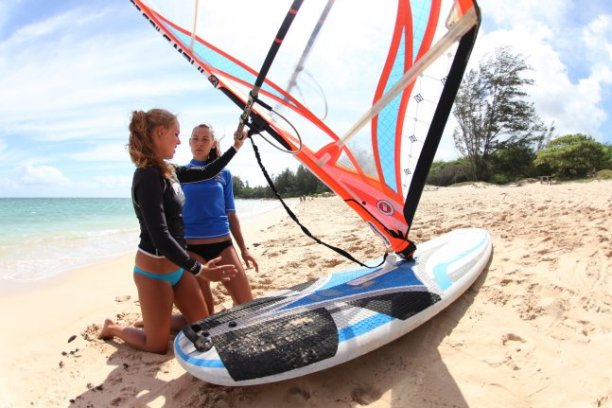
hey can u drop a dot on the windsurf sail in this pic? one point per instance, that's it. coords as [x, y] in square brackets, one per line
[389, 71]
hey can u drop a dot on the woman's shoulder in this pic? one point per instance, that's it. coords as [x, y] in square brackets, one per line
[148, 171]
[147, 175]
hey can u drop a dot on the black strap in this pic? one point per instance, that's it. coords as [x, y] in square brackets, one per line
[297, 221]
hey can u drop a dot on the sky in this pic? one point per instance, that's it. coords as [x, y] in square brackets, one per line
[71, 73]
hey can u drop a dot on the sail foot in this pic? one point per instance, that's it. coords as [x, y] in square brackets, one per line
[408, 252]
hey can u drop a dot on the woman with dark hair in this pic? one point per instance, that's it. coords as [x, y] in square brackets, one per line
[211, 219]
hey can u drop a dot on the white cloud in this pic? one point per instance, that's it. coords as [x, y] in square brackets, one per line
[41, 29]
[70, 85]
[110, 152]
[542, 34]
[34, 175]
[114, 182]
[527, 14]
[598, 36]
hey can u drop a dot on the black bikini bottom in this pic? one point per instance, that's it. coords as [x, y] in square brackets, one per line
[209, 251]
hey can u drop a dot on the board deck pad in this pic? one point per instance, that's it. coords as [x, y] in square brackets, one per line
[338, 317]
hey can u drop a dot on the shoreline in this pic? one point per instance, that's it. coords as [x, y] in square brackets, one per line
[9, 284]
[523, 335]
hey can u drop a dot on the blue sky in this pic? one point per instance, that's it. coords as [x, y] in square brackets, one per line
[71, 72]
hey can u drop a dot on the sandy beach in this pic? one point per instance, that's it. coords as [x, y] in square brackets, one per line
[535, 330]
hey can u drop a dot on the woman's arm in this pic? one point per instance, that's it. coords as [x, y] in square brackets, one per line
[194, 174]
[234, 223]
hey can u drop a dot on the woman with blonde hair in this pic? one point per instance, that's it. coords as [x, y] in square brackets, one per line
[164, 273]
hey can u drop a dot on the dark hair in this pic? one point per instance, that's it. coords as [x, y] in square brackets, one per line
[215, 152]
[141, 146]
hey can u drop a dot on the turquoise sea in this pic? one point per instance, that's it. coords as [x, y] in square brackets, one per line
[44, 237]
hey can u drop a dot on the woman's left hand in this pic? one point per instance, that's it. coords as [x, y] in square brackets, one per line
[248, 259]
[239, 138]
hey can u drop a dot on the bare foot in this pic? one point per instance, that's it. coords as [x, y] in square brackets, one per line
[178, 322]
[105, 333]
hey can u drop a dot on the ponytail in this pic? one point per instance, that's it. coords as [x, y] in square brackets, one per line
[141, 146]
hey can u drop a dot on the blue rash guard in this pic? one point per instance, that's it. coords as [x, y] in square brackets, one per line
[207, 204]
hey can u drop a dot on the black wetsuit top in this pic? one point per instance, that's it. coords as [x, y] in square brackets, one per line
[158, 203]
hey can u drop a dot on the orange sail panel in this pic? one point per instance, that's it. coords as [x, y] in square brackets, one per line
[384, 73]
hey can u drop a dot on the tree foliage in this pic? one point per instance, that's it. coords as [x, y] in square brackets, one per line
[512, 163]
[607, 162]
[572, 156]
[243, 190]
[493, 113]
[287, 183]
[446, 173]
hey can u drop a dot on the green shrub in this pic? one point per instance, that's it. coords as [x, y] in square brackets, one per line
[446, 173]
[572, 156]
[604, 174]
[501, 179]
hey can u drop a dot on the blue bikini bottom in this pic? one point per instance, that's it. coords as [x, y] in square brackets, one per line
[172, 277]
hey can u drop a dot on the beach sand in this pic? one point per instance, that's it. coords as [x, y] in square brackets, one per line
[535, 330]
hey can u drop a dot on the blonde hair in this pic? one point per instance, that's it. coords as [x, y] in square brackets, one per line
[141, 146]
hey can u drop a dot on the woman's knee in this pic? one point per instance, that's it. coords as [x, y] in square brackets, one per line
[158, 348]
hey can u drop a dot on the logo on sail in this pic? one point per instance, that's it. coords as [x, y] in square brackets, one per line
[385, 207]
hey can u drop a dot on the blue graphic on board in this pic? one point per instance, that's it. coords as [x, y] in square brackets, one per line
[440, 271]
[401, 276]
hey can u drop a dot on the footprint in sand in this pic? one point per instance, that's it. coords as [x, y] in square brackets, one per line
[261, 284]
[117, 402]
[265, 281]
[371, 251]
[91, 332]
[330, 263]
[297, 395]
[365, 395]
[511, 337]
[294, 264]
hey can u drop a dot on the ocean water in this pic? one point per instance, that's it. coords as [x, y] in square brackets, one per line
[44, 237]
